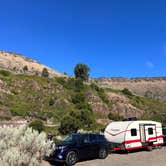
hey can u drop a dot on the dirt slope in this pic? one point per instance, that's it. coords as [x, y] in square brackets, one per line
[15, 63]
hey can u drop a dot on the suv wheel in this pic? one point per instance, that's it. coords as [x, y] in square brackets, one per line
[103, 153]
[71, 158]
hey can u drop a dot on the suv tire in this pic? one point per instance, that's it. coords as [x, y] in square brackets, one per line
[71, 158]
[103, 153]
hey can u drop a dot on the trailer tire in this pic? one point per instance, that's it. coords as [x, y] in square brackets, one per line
[159, 147]
[149, 148]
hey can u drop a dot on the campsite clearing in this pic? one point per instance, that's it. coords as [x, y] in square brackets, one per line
[155, 158]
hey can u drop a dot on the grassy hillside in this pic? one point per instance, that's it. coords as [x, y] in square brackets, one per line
[54, 99]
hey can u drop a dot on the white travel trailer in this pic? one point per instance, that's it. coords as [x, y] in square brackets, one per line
[130, 135]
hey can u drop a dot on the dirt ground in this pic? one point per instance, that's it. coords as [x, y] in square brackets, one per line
[141, 158]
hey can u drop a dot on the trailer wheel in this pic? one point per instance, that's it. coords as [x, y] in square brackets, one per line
[149, 148]
[159, 147]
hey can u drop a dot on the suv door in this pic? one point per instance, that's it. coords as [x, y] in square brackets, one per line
[94, 145]
[84, 148]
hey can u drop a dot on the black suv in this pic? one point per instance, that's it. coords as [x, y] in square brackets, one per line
[78, 147]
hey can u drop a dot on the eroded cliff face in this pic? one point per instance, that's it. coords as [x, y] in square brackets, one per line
[15, 63]
[122, 106]
[153, 87]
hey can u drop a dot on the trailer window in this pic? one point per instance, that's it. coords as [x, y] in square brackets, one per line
[150, 131]
[133, 132]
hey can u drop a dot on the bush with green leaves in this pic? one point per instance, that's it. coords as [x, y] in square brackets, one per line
[69, 125]
[127, 92]
[80, 102]
[77, 119]
[22, 146]
[37, 125]
[45, 72]
[5, 73]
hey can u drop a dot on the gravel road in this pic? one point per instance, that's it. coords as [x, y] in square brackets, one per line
[142, 158]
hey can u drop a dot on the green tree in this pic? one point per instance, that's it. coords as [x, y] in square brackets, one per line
[77, 119]
[79, 100]
[45, 72]
[69, 125]
[82, 71]
[87, 119]
[37, 125]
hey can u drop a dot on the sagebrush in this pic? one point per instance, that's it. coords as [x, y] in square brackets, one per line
[22, 146]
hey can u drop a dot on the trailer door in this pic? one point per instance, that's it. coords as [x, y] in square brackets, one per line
[142, 133]
[150, 133]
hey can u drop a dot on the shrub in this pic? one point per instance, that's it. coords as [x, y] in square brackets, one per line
[79, 100]
[22, 146]
[87, 119]
[69, 125]
[127, 92]
[51, 101]
[71, 83]
[25, 68]
[45, 72]
[77, 119]
[101, 93]
[37, 125]
[78, 84]
[5, 73]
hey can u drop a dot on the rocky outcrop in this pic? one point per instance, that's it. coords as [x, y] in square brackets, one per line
[96, 103]
[122, 106]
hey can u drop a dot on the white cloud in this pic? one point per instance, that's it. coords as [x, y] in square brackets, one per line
[149, 64]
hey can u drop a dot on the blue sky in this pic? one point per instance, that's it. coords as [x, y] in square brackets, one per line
[114, 37]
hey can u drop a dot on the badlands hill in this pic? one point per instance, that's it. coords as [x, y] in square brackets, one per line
[28, 95]
[16, 63]
[151, 87]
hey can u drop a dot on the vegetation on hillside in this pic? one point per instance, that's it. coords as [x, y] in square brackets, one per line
[154, 110]
[64, 101]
